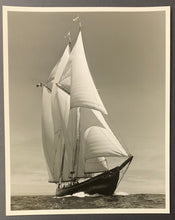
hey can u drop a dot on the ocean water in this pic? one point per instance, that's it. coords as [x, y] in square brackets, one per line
[85, 201]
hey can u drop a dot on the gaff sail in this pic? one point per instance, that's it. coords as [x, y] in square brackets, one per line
[48, 132]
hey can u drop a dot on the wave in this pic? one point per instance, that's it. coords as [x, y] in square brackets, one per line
[80, 195]
[121, 194]
[83, 195]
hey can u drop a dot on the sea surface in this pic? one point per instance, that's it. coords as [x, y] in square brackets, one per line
[84, 201]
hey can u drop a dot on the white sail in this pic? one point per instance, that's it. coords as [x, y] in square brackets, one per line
[64, 107]
[98, 137]
[61, 66]
[60, 112]
[67, 71]
[100, 143]
[48, 132]
[66, 83]
[122, 151]
[96, 165]
[96, 140]
[83, 90]
[51, 77]
[65, 79]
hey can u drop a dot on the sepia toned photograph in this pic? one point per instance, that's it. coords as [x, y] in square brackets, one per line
[86, 110]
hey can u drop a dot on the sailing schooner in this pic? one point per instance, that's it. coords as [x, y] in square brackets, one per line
[78, 143]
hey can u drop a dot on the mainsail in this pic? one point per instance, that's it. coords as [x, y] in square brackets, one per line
[76, 138]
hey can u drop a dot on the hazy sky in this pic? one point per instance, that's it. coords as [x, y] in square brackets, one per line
[126, 56]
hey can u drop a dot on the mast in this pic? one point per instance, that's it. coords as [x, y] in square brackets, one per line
[78, 139]
[68, 36]
[62, 163]
[77, 147]
[79, 21]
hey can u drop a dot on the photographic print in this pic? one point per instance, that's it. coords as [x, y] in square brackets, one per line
[86, 110]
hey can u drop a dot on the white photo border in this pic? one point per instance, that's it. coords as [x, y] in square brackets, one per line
[7, 9]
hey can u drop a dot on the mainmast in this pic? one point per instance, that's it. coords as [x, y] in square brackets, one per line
[77, 147]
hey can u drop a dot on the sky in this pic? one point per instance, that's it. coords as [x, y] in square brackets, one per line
[126, 56]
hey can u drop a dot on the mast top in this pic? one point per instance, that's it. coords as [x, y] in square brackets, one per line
[78, 19]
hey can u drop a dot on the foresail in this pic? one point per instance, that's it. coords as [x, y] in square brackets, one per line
[83, 90]
[64, 107]
[58, 139]
[60, 113]
[48, 132]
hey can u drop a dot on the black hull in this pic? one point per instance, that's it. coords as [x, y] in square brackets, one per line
[104, 184]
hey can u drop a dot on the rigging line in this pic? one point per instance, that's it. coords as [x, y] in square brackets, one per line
[123, 173]
[62, 163]
[49, 80]
[62, 88]
[41, 84]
